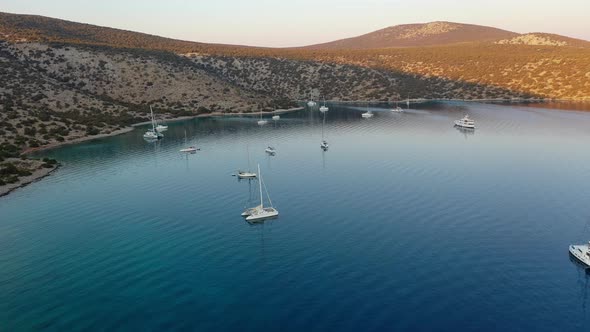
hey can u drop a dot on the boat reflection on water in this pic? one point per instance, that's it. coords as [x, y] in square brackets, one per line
[465, 131]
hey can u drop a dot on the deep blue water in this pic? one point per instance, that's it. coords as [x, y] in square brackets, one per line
[406, 223]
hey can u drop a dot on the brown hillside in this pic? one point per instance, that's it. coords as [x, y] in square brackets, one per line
[411, 35]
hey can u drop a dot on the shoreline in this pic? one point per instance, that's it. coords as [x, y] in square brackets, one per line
[24, 181]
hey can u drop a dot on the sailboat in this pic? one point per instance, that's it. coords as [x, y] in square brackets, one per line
[324, 108]
[247, 174]
[190, 149]
[324, 144]
[367, 114]
[397, 109]
[408, 102]
[260, 212]
[152, 134]
[159, 126]
[262, 122]
[311, 103]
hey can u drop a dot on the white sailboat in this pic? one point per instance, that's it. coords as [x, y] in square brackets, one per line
[260, 213]
[311, 103]
[262, 122]
[190, 149]
[276, 117]
[397, 109]
[152, 134]
[324, 144]
[159, 126]
[247, 174]
[367, 114]
[324, 108]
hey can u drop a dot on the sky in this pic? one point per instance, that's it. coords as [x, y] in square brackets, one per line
[303, 22]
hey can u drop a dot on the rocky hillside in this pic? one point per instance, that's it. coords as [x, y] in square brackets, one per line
[65, 80]
[412, 35]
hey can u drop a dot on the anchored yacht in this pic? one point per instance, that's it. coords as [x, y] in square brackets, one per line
[270, 150]
[581, 252]
[260, 213]
[466, 122]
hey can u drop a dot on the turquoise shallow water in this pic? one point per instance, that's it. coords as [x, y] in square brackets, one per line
[406, 223]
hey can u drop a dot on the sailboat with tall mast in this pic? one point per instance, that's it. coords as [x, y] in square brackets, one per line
[324, 108]
[247, 174]
[152, 134]
[190, 149]
[260, 212]
[368, 113]
[324, 144]
[311, 103]
[262, 122]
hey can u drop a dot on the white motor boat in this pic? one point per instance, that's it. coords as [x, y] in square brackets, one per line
[368, 114]
[270, 150]
[161, 127]
[581, 252]
[260, 213]
[276, 117]
[262, 122]
[324, 108]
[324, 145]
[466, 122]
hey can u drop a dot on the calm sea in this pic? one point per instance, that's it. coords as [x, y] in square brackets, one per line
[405, 223]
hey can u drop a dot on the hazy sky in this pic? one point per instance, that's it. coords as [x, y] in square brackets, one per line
[303, 22]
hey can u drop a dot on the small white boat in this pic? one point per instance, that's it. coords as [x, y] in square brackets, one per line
[260, 213]
[397, 109]
[311, 103]
[161, 127]
[466, 122]
[368, 114]
[324, 145]
[581, 252]
[270, 150]
[190, 149]
[324, 108]
[276, 117]
[246, 175]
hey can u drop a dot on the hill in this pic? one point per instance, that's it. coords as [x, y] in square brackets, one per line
[414, 35]
[65, 80]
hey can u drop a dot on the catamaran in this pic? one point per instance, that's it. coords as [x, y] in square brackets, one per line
[247, 174]
[466, 122]
[581, 252]
[152, 134]
[260, 212]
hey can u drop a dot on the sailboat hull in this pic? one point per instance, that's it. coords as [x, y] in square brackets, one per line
[265, 214]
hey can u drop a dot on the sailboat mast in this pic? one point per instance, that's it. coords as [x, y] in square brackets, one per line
[260, 185]
[152, 115]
